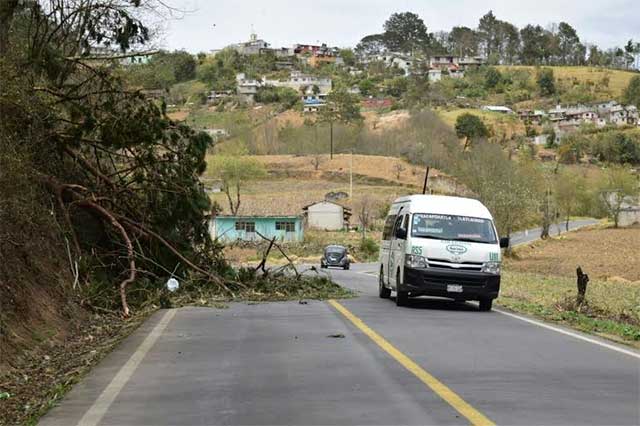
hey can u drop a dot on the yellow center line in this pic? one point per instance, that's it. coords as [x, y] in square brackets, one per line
[474, 416]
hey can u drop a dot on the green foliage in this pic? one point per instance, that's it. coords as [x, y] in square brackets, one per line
[631, 94]
[369, 248]
[406, 32]
[546, 82]
[114, 166]
[492, 78]
[342, 107]
[163, 70]
[470, 126]
[367, 87]
[283, 95]
[396, 87]
[234, 171]
[618, 188]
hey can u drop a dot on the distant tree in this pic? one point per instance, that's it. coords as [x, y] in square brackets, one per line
[571, 51]
[316, 161]
[370, 45]
[510, 42]
[619, 188]
[569, 189]
[180, 65]
[631, 94]
[534, 44]
[341, 107]
[235, 172]
[348, 57]
[406, 32]
[398, 168]
[396, 87]
[365, 208]
[546, 82]
[492, 78]
[470, 127]
[463, 41]
[367, 87]
[489, 32]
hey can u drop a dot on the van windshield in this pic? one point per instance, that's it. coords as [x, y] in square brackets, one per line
[451, 227]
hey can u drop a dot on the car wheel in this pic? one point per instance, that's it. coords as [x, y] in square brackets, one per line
[402, 297]
[485, 304]
[383, 291]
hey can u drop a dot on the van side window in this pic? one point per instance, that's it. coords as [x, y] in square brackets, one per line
[388, 227]
[398, 224]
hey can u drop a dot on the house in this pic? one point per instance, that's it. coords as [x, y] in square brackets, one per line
[326, 215]
[497, 108]
[254, 46]
[434, 75]
[457, 62]
[312, 103]
[229, 228]
[629, 214]
[298, 81]
[532, 116]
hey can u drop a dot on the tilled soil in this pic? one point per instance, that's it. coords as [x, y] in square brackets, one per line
[606, 254]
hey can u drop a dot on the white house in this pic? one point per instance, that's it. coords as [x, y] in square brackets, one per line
[326, 215]
[498, 108]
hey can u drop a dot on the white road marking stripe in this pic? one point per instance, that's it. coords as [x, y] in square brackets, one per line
[96, 412]
[569, 333]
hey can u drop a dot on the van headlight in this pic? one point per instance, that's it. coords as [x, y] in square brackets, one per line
[491, 267]
[413, 261]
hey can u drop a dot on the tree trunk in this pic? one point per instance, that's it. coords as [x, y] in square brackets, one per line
[583, 280]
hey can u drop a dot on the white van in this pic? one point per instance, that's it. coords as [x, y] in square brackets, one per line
[442, 246]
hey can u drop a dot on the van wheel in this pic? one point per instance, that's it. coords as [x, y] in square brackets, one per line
[485, 304]
[383, 291]
[402, 297]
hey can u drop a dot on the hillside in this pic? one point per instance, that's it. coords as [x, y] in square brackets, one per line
[617, 79]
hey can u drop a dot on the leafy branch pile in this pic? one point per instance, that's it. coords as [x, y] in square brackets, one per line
[118, 175]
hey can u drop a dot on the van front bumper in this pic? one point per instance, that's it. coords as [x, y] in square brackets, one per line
[434, 281]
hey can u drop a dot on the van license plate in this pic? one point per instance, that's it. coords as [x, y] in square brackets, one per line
[454, 288]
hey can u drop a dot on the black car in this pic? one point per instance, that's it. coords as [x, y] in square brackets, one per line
[336, 256]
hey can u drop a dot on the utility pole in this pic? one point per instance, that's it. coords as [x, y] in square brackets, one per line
[426, 178]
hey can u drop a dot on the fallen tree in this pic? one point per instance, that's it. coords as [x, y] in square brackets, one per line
[123, 178]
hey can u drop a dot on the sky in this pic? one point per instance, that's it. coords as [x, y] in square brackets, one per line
[214, 24]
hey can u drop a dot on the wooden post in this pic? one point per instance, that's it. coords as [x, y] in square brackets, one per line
[583, 280]
[426, 178]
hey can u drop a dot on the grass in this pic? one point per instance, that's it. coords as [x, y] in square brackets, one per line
[612, 309]
[618, 79]
[501, 124]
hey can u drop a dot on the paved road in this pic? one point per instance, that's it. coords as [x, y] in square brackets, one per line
[363, 361]
[522, 237]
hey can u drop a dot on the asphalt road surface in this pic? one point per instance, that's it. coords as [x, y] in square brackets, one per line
[355, 362]
[522, 237]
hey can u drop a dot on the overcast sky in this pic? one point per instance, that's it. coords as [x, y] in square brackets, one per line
[213, 24]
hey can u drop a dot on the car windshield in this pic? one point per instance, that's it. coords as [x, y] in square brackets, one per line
[335, 250]
[451, 227]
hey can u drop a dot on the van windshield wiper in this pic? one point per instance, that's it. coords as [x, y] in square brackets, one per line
[471, 240]
[432, 237]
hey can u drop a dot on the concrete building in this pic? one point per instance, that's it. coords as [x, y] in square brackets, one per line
[246, 228]
[327, 215]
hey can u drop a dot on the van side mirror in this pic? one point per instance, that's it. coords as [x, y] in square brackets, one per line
[401, 233]
[504, 242]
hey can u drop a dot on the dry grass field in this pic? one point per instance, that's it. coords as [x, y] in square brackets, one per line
[618, 80]
[604, 253]
[500, 124]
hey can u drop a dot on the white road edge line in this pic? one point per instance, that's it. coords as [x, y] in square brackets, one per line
[96, 412]
[569, 333]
